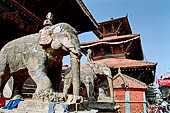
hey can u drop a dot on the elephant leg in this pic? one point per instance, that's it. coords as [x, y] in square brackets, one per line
[19, 79]
[41, 79]
[75, 69]
[67, 83]
[90, 89]
[37, 68]
[3, 80]
[110, 87]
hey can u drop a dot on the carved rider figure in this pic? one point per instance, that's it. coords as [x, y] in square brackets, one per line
[89, 56]
[45, 33]
[90, 63]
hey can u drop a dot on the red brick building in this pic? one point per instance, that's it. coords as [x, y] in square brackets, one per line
[129, 93]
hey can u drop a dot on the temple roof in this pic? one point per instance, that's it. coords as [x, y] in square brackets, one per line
[131, 82]
[26, 16]
[32, 12]
[131, 42]
[118, 26]
[115, 63]
[110, 39]
[73, 12]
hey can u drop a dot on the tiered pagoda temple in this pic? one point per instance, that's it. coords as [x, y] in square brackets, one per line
[121, 49]
[118, 47]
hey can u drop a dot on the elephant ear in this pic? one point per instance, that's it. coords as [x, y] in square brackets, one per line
[45, 41]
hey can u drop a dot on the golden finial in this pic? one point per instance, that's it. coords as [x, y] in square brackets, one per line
[111, 18]
[119, 70]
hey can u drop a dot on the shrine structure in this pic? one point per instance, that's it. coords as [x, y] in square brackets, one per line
[164, 86]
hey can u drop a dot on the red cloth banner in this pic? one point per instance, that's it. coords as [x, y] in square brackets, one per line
[164, 82]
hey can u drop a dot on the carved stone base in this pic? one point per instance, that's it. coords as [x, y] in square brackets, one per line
[104, 106]
[36, 106]
[105, 99]
[47, 95]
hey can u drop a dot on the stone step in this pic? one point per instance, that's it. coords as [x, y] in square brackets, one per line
[29, 86]
[28, 90]
[27, 95]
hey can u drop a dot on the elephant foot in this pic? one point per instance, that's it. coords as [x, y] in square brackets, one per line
[74, 99]
[17, 97]
[43, 94]
[45, 91]
[48, 95]
[91, 99]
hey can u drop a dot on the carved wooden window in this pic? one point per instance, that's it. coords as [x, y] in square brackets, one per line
[120, 50]
[97, 51]
[112, 49]
[122, 47]
[108, 28]
[101, 29]
[107, 50]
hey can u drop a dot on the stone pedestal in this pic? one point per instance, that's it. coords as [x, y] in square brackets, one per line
[103, 106]
[28, 106]
[34, 106]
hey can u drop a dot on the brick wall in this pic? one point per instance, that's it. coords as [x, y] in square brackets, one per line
[119, 95]
[136, 95]
[136, 107]
[136, 100]
[122, 107]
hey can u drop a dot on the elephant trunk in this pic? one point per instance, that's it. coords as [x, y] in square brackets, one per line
[75, 70]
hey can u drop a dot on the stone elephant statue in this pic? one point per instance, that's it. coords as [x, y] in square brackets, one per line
[24, 57]
[88, 73]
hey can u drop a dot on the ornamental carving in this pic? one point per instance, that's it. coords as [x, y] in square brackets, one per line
[14, 16]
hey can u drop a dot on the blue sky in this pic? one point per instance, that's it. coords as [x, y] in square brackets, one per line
[149, 18]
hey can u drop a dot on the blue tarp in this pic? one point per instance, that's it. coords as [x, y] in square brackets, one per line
[12, 104]
[52, 105]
